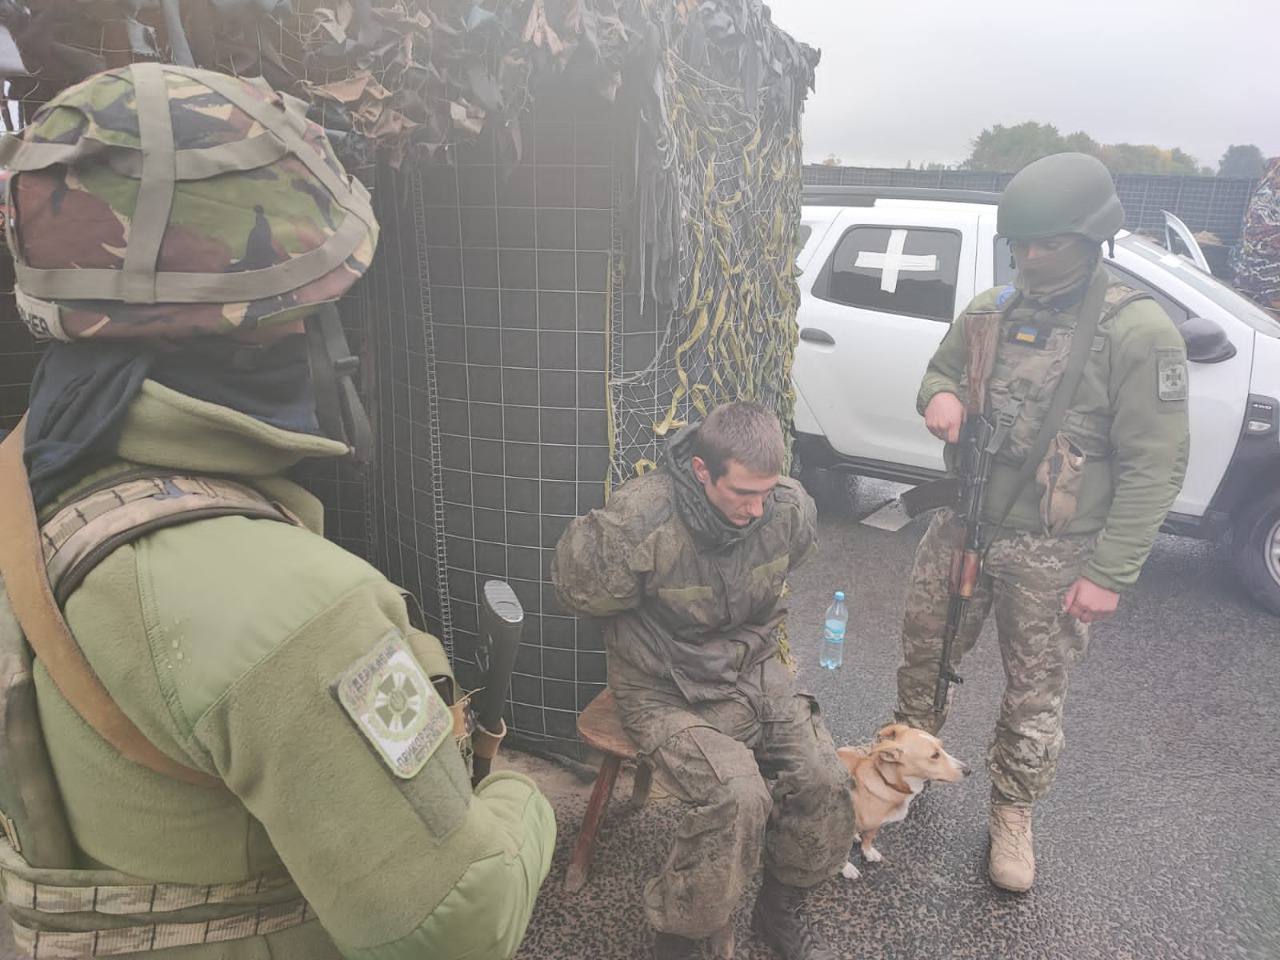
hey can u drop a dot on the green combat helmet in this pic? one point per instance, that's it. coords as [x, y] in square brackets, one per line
[1063, 193]
[162, 201]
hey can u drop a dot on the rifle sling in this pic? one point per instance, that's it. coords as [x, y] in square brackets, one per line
[1087, 322]
[26, 581]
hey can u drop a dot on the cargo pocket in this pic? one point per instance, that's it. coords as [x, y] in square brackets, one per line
[696, 763]
[1059, 475]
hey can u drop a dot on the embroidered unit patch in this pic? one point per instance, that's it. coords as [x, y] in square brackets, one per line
[1171, 374]
[1004, 295]
[391, 699]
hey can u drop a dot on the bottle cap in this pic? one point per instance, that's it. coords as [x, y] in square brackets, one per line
[839, 594]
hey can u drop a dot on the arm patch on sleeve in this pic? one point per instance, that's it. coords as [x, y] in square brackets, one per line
[1171, 374]
[393, 703]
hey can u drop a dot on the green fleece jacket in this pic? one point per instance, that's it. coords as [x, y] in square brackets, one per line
[1129, 416]
[226, 640]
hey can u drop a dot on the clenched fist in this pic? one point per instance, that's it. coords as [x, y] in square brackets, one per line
[944, 416]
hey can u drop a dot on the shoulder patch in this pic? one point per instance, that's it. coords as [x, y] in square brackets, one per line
[1171, 373]
[392, 702]
[1005, 293]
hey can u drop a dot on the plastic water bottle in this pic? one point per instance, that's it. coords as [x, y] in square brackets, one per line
[833, 633]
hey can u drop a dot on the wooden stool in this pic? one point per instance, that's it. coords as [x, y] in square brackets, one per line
[600, 726]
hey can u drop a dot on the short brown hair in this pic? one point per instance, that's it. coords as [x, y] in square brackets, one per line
[741, 431]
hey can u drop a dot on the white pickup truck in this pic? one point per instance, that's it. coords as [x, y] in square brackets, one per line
[883, 271]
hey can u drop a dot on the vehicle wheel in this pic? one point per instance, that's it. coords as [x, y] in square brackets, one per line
[1256, 550]
[834, 491]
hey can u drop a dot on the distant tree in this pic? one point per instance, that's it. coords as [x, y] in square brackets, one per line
[1242, 160]
[1146, 158]
[935, 165]
[832, 161]
[1009, 149]
[1081, 142]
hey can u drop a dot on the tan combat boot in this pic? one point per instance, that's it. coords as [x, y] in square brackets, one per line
[1013, 861]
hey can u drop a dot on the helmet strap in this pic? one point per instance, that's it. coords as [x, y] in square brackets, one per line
[338, 408]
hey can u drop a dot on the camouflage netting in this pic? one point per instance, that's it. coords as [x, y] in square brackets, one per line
[1257, 259]
[730, 164]
[590, 212]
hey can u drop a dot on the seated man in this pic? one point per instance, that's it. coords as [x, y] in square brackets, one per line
[688, 563]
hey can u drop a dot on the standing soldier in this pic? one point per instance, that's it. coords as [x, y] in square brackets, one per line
[688, 564]
[1061, 548]
[222, 737]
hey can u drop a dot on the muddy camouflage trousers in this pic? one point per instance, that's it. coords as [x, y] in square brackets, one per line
[1025, 579]
[770, 791]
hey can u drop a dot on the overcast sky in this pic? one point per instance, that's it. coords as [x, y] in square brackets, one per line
[916, 80]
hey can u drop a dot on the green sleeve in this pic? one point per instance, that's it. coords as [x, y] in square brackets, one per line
[1149, 435]
[394, 867]
[600, 563]
[946, 367]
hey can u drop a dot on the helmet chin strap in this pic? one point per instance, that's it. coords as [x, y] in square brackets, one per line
[338, 408]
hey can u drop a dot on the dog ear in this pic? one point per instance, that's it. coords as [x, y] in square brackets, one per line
[890, 754]
[888, 732]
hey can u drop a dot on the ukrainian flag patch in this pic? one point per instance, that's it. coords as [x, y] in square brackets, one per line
[1029, 335]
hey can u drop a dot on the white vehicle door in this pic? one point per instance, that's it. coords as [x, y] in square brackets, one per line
[875, 305]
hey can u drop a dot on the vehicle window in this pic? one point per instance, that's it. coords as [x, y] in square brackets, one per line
[900, 270]
[1004, 273]
[1003, 262]
[1216, 291]
[1176, 311]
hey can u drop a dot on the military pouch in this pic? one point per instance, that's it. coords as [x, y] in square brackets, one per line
[1060, 475]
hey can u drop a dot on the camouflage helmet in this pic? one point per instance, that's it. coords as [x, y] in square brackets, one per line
[162, 201]
[1062, 193]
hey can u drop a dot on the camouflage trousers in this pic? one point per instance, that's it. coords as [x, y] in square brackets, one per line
[760, 789]
[1024, 580]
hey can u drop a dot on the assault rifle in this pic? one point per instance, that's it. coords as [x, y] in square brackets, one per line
[974, 455]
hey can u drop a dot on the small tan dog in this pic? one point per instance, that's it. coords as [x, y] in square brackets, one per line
[888, 777]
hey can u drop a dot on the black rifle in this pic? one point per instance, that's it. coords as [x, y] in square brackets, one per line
[974, 455]
[501, 619]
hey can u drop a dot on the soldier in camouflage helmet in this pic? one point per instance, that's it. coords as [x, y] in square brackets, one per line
[688, 565]
[1069, 541]
[265, 761]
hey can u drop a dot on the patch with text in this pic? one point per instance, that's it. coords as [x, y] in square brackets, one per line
[393, 703]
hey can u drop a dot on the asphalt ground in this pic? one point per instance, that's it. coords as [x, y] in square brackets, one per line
[1160, 838]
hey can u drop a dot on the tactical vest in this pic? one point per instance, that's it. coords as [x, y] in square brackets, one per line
[1027, 370]
[58, 910]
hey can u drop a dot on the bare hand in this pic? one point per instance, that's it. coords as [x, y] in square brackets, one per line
[944, 416]
[1088, 602]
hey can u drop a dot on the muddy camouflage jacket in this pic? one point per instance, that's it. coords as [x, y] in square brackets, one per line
[1129, 417]
[226, 641]
[690, 599]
